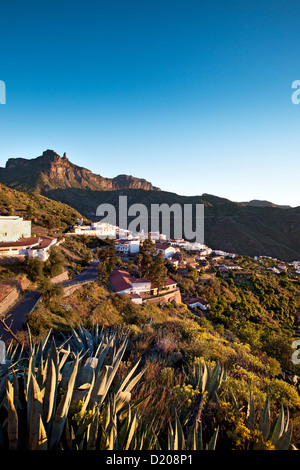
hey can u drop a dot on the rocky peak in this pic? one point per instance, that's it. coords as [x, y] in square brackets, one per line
[51, 171]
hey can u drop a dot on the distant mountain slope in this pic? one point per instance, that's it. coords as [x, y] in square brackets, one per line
[237, 227]
[258, 203]
[228, 226]
[50, 171]
[42, 211]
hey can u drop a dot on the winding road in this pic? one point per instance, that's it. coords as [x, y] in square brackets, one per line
[15, 317]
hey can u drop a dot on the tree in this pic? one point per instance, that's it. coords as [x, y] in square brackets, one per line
[147, 251]
[103, 271]
[139, 259]
[56, 262]
[158, 271]
[112, 254]
[35, 269]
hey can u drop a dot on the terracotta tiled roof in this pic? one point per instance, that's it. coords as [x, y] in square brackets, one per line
[120, 280]
[168, 282]
[197, 299]
[21, 242]
[43, 244]
[139, 280]
[161, 246]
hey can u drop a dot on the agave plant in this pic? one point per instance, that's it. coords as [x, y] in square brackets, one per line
[278, 433]
[208, 380]
[37, 399]
[194, 440]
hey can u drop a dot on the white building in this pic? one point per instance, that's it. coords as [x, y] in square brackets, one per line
[167, 249]
[96, 229]
[18, 248]
[137, 288]
[127, 246]
[42, 250]
[197, 302]
[12, 228]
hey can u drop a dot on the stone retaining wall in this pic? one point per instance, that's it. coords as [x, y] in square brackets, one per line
[60, 278]
[9, 299]
[175, 295]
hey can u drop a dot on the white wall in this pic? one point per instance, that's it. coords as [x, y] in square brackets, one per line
[14, 228]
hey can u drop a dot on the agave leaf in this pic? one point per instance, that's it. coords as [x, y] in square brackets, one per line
[250, 411]
[12, 419]
[77, 341]
[40, 440]
[128, 377]
[65, 356]
[88, 395]
[264, 422]
[204, 378]
[99, 386]
[112, 370]
[284, 441]
[131, 432]
[62, 409]
[93, 434]
[87, 371]
[279, 427]
[50, 394]
[179, 435]
[45, 341]
[121, 399]
[213, 440]
[35, 411]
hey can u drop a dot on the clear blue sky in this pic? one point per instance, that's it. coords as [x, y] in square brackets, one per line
[194, 96]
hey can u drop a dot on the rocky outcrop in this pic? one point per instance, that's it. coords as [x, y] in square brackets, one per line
[51, 171]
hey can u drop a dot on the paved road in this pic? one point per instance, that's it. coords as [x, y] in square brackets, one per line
[90, 272]
[16, 316]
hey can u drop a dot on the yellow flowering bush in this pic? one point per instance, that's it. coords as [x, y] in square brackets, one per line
[236, 428]
[185, 394]
[283, 393]
[77, 414]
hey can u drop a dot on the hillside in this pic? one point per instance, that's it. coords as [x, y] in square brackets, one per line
[258, 203]
[243, 228]
[248, 332]
[228, 225]
[43, 212]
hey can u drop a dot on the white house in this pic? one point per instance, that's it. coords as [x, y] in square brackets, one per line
[96, 229]
[123, 283]
[127, 246]
[13, 228]
[42, 250]
[18, 248]
[197, 302]
[167, 249]
[137, 288]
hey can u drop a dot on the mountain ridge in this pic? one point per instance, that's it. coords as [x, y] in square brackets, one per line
[51, 171]
[263, 203]
[229, 226]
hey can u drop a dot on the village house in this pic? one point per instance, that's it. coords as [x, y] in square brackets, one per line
[282, 267]
[96, 229]
[18, 248]
[123, 282]
[174, 262]
[127, 246]
[197, 302]
[42, 250]
[167, 250]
